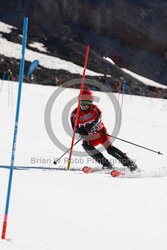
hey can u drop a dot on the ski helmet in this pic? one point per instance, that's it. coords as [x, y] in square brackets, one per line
[86, 99]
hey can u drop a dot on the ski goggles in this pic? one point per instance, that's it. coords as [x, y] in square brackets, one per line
[86, 103]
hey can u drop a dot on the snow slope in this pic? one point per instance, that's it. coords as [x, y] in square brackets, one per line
[38, 46]
[6, 28]
[143, 79]
[69, 210]
[50, 62]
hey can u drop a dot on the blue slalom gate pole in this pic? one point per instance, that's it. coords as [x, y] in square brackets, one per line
[123, 92]
[3, 78]
[4, 75]
[25, 28]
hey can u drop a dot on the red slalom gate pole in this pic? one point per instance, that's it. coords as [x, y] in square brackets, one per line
[78, 108]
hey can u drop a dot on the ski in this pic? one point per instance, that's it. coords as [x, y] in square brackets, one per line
[126, 173]
[113, 173]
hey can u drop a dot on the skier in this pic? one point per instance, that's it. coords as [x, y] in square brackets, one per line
[93, 132]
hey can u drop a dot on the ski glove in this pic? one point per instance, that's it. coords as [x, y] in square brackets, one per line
[93, 126]
[90, 127]
[82, 130]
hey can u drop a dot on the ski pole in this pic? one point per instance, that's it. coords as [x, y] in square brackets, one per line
[137, 145]
[55, 162]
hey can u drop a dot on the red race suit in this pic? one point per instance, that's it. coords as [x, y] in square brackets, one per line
[93, 118]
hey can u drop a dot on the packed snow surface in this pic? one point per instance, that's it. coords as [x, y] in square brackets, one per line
[69, 210]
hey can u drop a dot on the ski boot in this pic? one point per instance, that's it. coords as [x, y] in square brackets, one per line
[131, 165]
[107, 165]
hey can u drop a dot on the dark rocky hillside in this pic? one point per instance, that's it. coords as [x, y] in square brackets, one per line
[132, 33]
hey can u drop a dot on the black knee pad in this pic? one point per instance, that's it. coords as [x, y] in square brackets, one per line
[112, 150]
[119, 155]
[91, 150]
[115, 152]
[96, 154]
[87, 146]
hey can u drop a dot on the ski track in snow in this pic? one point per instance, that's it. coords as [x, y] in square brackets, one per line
[160, 172]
